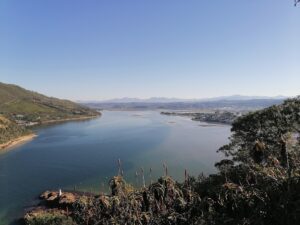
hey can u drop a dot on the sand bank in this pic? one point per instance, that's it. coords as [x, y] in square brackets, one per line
[17, 141]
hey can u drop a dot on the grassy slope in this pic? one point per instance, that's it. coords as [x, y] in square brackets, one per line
[36, 107]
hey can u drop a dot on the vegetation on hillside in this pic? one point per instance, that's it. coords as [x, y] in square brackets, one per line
[259, 183]
[10, 130]
[26, 106]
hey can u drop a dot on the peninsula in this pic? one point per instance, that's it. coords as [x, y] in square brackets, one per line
[217, 116]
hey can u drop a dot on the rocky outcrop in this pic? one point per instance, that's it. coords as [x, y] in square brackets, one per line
[55, 199]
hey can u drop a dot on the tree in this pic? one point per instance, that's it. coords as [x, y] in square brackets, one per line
[264, 135]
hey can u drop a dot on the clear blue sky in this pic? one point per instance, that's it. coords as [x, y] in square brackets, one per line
[102, 49]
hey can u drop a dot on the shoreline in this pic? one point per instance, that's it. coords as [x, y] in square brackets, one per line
[28, 137]
[69, 119]
[17, 141]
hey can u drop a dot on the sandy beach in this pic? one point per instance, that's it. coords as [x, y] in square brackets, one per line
[17, 141]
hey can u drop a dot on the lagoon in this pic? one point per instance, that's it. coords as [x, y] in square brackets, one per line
[84, 154]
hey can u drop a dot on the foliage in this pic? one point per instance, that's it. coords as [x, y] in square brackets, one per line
[48, 218]
[9, 130]
[265, 131]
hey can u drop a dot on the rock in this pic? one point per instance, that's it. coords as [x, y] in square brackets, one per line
[49, 196]
[53, 199]
[44, 195]
[66, 199]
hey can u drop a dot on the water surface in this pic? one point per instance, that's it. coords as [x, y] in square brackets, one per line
[84, 154]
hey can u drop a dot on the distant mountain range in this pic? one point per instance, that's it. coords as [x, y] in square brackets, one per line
[234, 102]
[169, 100]
[235, 105]
[243, 97]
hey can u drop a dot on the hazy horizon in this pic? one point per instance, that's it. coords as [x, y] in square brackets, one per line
[157, 98]
[100, 50]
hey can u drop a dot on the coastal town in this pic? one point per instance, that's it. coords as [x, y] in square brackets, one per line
[217, 116]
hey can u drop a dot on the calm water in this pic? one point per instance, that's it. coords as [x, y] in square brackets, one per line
[84, 155]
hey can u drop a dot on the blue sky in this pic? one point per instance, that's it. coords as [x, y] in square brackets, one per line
[102, 49]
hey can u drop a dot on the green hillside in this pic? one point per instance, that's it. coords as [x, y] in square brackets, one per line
[20, 104]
